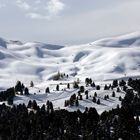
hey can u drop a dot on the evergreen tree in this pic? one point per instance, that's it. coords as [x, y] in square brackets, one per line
[113, 94]
[47, 90]
[77, 102]
[95, 94]
[51, 107]
[86, 96]
[68, 86]
[105, 97]
[48, 106]
[124, 88]
[87, 81]
[86, 92]
[57, 87]
[43, 108]
[22, 85]
[31, 84]
[79, 93]
[47, 103]
[115, 83]
[118, 89]
[10, 100]
[105, 87]
[26, 91]
[67, 76]
[57, 76]
[66, 103]
[122, 83]
[81, 97]
[120, 98]
[93, 84]
[29, 104]
[75, 85]
[94, 99]
[137, 121]
[71, 102]
[97, 87]
[98, 101]
[18, 87]
[82, 89]
[90, 81]
[34, 105]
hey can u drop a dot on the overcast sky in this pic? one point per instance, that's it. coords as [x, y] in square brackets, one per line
[67, 21]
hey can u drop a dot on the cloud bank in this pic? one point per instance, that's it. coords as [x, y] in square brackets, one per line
[38, 9]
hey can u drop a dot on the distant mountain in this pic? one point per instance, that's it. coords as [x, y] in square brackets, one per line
[104, 59]
[128, 40]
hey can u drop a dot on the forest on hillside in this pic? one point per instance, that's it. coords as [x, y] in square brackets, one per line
[31, 122]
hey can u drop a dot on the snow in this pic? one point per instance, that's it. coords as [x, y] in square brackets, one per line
[102, 60]
[58, 97]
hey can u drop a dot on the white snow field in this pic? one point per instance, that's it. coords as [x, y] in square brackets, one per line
[102, 60]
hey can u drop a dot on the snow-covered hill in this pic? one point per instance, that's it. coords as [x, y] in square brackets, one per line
[102, 60]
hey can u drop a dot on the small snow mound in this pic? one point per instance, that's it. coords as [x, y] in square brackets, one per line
[3, 43]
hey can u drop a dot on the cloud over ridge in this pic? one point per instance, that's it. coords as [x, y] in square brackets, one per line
[38, 9]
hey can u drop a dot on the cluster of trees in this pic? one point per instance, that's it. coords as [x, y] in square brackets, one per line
[106, 97]
[10, 93]
[95, 100]
[21, 89]
[32, 122]
[45, 123]
[132, 99]
[7, 95]
[72, 101]
[60, 76]
[89, 81]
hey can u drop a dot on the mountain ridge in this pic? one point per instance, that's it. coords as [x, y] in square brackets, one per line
[104, 59]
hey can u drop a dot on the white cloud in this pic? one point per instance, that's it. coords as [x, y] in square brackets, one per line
[37, 16]
[37, 1]
[33, 15]
[2, 5]
[23, 5]
[38, 9]
[55, 6]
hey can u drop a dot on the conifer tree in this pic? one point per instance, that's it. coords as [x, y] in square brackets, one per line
[31, 84]
[26, 91]
[47, 90]
[98, 101]
[57, 87]
[29, 104]
[77, 102]
[18, 87]
[113, 94]
[94, 99]
[82, 89]
[68, 86]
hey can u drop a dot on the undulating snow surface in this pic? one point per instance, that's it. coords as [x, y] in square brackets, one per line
[106, 59]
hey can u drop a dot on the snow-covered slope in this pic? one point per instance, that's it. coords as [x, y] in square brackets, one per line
[106, 59]
[101, 60]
